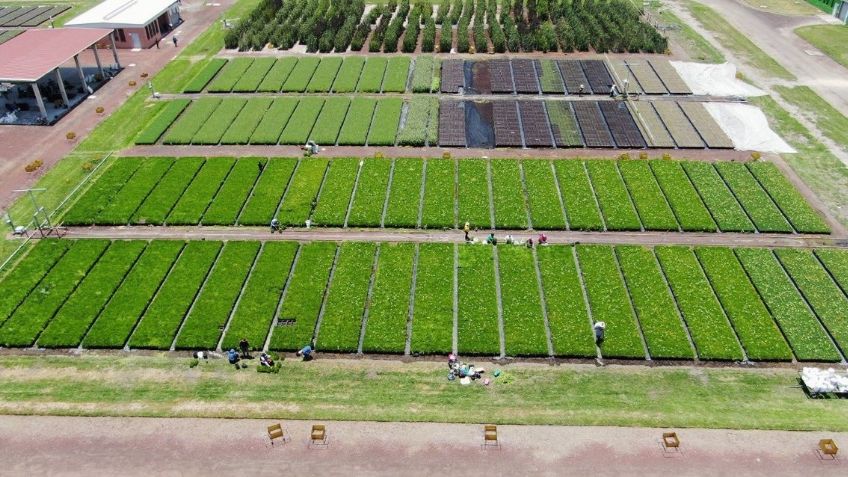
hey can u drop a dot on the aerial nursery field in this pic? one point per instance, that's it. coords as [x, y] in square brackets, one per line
[498, 26]
[669, 302]
[625, 195]
[289, 120]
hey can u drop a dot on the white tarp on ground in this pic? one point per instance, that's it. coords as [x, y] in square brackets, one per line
[825, 380]
[714, 80]
[747, 127]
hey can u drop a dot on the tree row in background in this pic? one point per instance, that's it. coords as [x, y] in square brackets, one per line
[467, 25]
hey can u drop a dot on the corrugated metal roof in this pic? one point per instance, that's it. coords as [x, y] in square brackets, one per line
[122, 13]
[35, 53]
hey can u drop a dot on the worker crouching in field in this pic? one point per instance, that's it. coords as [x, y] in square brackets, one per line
[305, 353]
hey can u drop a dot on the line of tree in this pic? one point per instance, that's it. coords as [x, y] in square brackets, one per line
[476, 25]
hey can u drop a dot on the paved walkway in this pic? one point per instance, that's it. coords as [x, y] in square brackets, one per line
[140, 446]
[20, 145]
[453, 236]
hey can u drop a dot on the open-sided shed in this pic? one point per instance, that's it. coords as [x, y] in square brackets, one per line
[34, 60]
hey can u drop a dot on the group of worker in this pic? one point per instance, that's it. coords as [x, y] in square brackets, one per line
[508, 239]
[234, 357]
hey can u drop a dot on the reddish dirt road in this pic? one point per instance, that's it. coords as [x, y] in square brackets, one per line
[453, 236]
[138, 446]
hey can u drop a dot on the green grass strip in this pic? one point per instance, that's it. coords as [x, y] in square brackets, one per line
[199, 82]
[303, 192]
[405, 194]
[422, 75]
[274, 121]
[571, 331]
[433, 122]
[524, 323]
[122, 206]
[826, 298]
[722, 204]
[710, 330]
[370, 195]
[508, 194]
[168, 191]
[227, 204]
[478, 311]
[100, 194]
[263, 202]
[18, 283]
[474, 193]
[252, 78]
[836, 262]
[543, 195]
[160, 322]
[230, 75]
[758, 332]
[371, 80]
[439, 194]
[330, 120]
[302, 119]
[342, 321]
[385, 331]
[325, 74]
[612, 196]
[194, 117]
[279, 73]
[766, 216]
[116, 321]
[219, 121]
[787, 306]
[199, 195]
[258, 303]
[397, 72]
[549, 77]
[246, 122]
[609, 302]
[156, 128]
[804, 219]
[81, 309]
[301, 74]
[653, 303]
[304, 296]
[564, 124]
[348, 76]
[580, 206]
[414, 130]
[432, 324]
[385, 125]
[335, 195]
[38, 309]
[357, 122]
[690, 211]
[204, 324]
[654, 211]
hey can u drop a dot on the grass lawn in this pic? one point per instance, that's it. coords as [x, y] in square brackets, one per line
[393, 391]
[784, 7]
[828, 120]
[59, 182]
[733, 39]
[830, 39]
[692, 43]
[823, 172]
